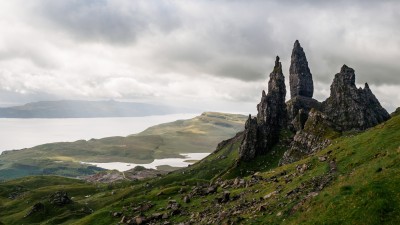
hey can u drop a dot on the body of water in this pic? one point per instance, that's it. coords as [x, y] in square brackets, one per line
[26, 133]
[174, 162]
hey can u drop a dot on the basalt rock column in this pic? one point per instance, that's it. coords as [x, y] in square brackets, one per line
[301, 87]
[300, 79]
[271, 118]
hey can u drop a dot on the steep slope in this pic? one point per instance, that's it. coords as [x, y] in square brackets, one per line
[200, 134]
[353, 181]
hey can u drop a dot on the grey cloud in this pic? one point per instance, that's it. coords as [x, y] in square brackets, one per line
[117, 22]
[221, 39]
[231, 38]
[29, 53]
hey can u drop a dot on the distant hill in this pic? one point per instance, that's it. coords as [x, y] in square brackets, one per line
[87, 109]
[197, 135]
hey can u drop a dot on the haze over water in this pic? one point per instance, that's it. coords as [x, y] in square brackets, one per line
[26, 133]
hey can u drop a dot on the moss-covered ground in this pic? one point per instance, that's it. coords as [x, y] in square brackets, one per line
[356, 180]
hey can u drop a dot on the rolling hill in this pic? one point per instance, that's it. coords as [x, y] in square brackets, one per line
[198, 135]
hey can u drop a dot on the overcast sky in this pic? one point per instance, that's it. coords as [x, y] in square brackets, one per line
[212, 55]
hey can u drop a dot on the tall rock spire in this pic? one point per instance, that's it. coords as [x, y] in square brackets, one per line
[301, 88]
[272, 108]
[262, 133]
[301, 83]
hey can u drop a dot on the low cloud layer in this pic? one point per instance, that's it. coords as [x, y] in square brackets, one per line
[218, 53]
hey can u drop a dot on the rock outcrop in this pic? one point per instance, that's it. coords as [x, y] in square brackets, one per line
[262, 133]
[60, 198]
[272, 113]
[301, 83]
[351, 108]
[296, 104]
[249, 144]
[301, 87]
[315, 124]
[347, 108]
[316, 134]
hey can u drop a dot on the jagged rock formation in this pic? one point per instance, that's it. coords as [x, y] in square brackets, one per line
[316, 134]
[296, 104]
[262, 133]
[314, 123]
[352, 108]
[249, 144]
[301, 83]
[347, 108]
[301, 86]
[272, 113]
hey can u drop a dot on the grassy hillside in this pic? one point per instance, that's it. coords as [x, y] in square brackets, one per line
[353, 181]
[198, 135]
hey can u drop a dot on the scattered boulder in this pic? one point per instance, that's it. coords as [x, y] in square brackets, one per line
[301, 168]
[60, 198]
[322, 158]
[212, 189]
[156, 216]
[38, 207]
[270, 195]
[186, 199]
[140, 220]
[17, 191]
[332, 166]
[124, 219]
[142, 207]
[117, 214]
[226, 196]
[172, 204]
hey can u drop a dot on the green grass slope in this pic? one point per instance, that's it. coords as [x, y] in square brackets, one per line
[198, 135]
[353, 181]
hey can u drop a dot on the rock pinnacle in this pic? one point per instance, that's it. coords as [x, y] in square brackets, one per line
[301, 83]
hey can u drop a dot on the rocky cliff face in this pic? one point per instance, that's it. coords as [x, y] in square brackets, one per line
[301, 83]
[296, 104]
[316, 134]
[249, 145]
[262, 133]
[350, 107]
